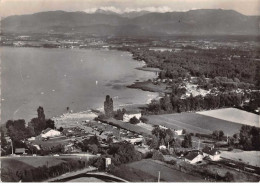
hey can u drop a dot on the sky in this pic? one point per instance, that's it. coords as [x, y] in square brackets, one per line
[20, 7]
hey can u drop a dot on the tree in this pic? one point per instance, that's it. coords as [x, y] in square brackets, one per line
[123, 152]
[154, 144]
[85, 145]
[93, 148]
[50, 124]
[3, 140]
[119, 115]
[134, 120]
[60, 129]
[187, 142]
[100, 163]
[221, 134]
[245, 137]
[108, 107]
[169, 138]
[166, 103]
[16, 130]
[218, 134]
[41, 119]
[157, 155]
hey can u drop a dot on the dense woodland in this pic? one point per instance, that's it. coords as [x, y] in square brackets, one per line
[210, 63]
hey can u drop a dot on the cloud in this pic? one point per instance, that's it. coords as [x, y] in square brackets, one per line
[109, 8]
[161, 9]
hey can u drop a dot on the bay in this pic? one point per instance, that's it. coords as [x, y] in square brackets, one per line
[59, 78]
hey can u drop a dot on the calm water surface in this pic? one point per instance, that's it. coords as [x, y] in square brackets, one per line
[61, 78]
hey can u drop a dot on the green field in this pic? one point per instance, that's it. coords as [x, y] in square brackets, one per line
[148, 168]
[194, 123]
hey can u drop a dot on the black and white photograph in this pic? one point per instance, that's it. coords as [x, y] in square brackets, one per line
[130, 91]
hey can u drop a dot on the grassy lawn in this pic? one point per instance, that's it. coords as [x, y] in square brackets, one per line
[194, 122]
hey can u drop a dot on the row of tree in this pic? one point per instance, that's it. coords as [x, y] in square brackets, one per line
[173, 104]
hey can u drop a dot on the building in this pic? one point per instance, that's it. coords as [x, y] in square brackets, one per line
[20, 151]
[108, 162]
[178, 132]
[162, 127]
[194, 157]
[162, 147]
[50, 133]
[128, 115]
[135, 141]
[212, 153]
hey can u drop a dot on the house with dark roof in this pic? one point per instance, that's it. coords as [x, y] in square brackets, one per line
[194, 156]
[212, 153]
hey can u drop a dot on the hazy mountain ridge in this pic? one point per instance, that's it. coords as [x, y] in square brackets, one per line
[199, 22]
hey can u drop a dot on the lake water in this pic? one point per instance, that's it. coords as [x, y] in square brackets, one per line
[59, 78]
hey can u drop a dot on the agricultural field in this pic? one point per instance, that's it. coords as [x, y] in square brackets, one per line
[195, 123]
[248, 157]
[234, 115]
[25, 162]
[167, 174]
[10, 166]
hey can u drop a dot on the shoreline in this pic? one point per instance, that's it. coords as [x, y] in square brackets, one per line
[132, 106]
[151, 69]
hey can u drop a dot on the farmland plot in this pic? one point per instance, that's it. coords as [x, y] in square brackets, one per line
[234, 115]
[167, 174]
[194, 123]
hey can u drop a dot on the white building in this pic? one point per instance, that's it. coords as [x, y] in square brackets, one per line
[212, 153]
[162, 127]
[50, 133]
[178, 132]
[194, 157]
[162, 147]
[108, 162]
[135, 140]
[128, 115]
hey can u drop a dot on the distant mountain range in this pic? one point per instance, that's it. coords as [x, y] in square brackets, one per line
[144, 23]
